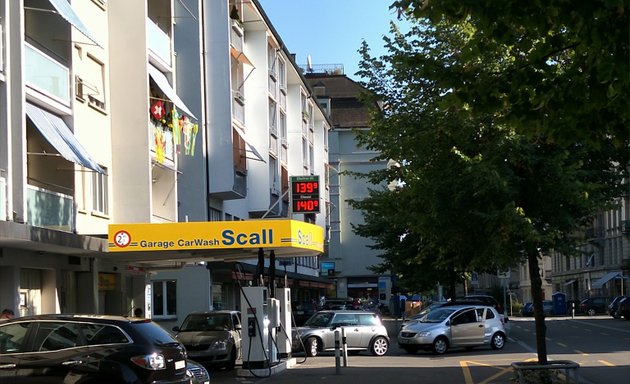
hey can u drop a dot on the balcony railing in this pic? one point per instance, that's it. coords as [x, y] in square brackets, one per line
[49, 209]
[46, 75]
[158, 41]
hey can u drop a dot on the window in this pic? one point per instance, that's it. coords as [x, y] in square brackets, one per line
[55, 336]
[164, 298]
[103, 334]
[100, 193]
[12, 338]
[93, 82]
[215, 214]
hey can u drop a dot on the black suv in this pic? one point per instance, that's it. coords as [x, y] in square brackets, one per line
[89, 348]
[595, 305]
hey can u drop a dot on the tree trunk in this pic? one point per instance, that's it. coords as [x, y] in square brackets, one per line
[537, 300]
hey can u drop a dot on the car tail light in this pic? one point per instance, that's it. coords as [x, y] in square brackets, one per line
[153, 362]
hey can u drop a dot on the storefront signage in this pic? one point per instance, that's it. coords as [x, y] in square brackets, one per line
[215, 235]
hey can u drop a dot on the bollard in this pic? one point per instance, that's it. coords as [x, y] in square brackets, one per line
[337, 357]
[344, 346]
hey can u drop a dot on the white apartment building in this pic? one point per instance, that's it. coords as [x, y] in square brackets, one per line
[162, 111]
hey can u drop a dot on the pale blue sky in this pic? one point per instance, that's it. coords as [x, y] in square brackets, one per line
[331, 31]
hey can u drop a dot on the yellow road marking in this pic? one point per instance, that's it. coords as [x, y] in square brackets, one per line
[467, 376]
[562, 345]
[498, 374]
[607, 363]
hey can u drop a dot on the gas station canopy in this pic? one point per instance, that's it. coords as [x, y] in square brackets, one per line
[213, 240]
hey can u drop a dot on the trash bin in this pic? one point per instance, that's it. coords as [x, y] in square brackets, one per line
[559, 301]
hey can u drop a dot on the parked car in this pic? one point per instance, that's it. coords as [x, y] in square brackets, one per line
[364, 331]
[454, 326]
[212, 338]
[303, 310]
[340, 303]
[613, 306]
[197, 373]
[89, 348]
[623, 309]
[595, 305]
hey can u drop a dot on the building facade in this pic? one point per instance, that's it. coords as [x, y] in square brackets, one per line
[161, 111]
[349, 256]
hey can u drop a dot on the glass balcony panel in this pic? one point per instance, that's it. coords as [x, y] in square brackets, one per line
[158, 41]
[49, 209]
[46, 75]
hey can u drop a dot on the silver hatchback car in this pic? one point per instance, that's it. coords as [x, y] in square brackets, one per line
[364, 332]
[454, 326]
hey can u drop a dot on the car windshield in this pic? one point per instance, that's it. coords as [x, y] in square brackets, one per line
[319, 319]
[437, 316]
[206, 322]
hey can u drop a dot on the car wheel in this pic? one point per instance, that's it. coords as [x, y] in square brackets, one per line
[440, 345]
[379, 346]
[498, 341]
[591, 312]
[312, 346]
[232, 363]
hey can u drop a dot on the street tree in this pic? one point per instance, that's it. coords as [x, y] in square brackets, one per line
[480, 185]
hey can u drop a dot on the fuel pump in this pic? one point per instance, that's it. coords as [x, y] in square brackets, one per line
[274, 329]
[283, 339]
[255, 320]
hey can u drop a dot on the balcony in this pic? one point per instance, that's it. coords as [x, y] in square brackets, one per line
[236, 35]
[49, 209]
[158, 42]
[46, 75]
[164, 136]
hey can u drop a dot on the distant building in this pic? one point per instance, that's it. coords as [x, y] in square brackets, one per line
[349, 255]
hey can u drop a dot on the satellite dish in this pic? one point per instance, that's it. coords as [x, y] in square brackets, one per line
[309, 63]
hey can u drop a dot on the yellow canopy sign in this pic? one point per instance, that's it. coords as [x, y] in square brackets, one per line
[270, 234]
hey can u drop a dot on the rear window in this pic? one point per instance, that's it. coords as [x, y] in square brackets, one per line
[154, 333]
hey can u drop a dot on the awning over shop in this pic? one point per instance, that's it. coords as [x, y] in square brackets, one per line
[217, 240]
[65, 10]
[606, 278]
[251, 147]
[162, 82]
[57, 133]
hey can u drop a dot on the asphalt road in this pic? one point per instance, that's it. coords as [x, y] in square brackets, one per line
[600, 345]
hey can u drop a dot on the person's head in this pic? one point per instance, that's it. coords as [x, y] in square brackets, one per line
[7, 314]
[137, 312]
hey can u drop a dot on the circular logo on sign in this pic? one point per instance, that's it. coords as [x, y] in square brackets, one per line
[122, 239]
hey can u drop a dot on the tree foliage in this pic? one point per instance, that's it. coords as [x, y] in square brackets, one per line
[496, 163]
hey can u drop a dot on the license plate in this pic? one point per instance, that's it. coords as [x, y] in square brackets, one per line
[404, 341]
[180, 364]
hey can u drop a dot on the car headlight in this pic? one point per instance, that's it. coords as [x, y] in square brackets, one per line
[423, 334]
[219, 345]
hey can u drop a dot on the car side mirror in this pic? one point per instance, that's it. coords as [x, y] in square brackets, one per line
[176, 329]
